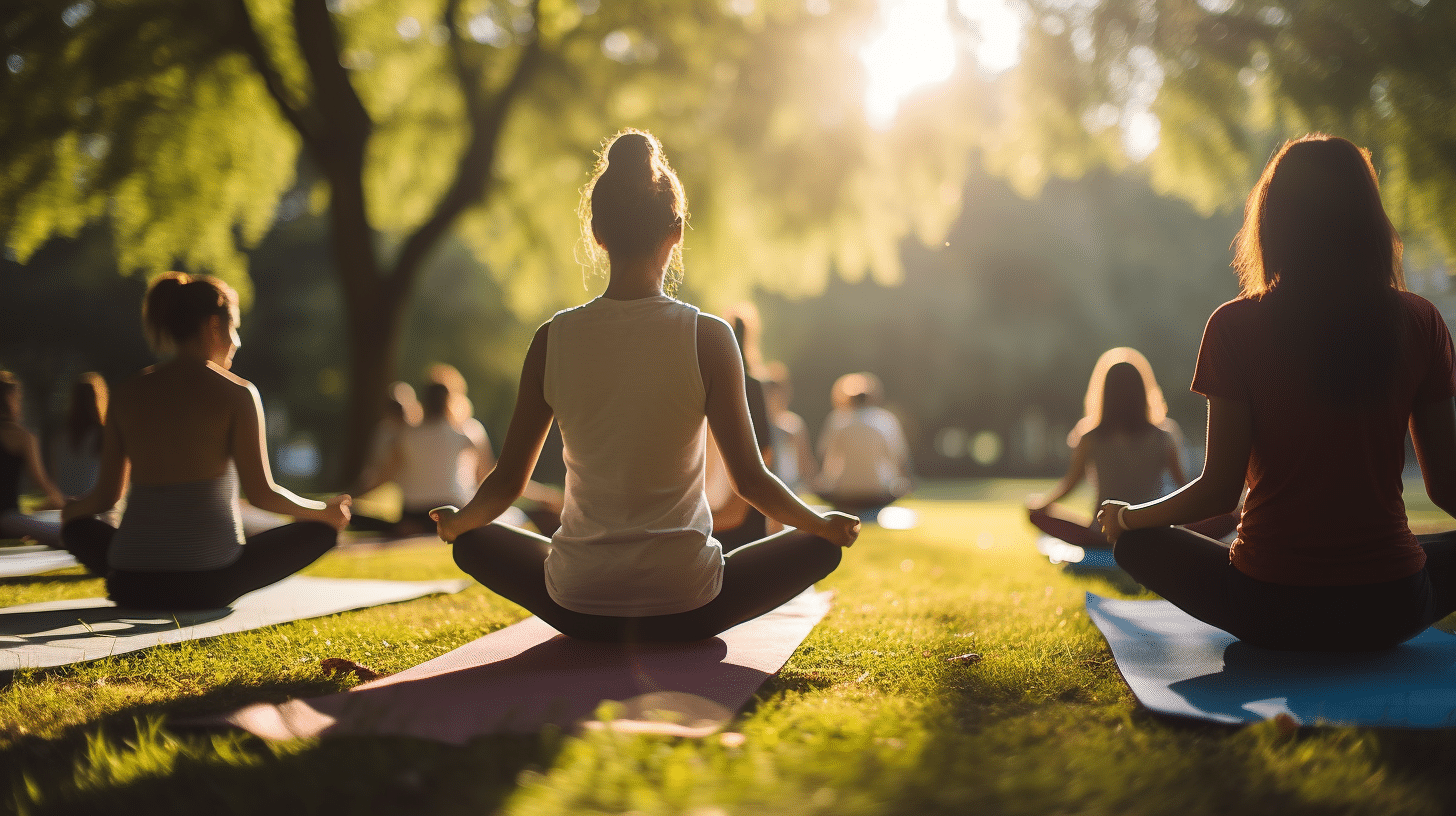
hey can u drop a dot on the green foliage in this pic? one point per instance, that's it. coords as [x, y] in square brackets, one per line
[1236, 78]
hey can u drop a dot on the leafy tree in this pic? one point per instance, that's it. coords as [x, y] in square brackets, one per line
[1228, 80]
[182, 125]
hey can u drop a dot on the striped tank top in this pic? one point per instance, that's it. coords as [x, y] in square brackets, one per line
[186, 527]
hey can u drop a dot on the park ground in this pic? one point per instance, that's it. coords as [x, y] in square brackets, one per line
[871, 715]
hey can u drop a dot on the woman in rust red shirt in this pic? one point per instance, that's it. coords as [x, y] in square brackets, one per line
[1313, 375]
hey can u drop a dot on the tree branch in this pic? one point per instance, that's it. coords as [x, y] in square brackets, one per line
[346, 122]
[297, 115]
[477, 161]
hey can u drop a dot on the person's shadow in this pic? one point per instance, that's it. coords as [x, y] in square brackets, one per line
[44, 627]
[1411, 685]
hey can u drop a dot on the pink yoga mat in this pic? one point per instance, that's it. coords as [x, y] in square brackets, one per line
[525, 676]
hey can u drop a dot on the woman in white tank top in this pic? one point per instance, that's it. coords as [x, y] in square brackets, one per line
[632, 379]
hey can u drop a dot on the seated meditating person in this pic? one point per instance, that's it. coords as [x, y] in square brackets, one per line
[865, 458]
[20, 456]
[1125, 445]
[793, 455]
[735, 521]
[186, 434]
[631, 378]
[75, 452]
[436, 462]
[1313, 376]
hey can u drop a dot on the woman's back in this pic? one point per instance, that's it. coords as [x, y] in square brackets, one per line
[1325, 490]
[622, 379]
[176, 421]
[1127, 466]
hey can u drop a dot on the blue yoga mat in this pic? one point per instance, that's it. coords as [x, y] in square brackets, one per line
[1074, 558]
[1178, 665]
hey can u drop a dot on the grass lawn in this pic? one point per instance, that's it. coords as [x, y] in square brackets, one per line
[868, 717]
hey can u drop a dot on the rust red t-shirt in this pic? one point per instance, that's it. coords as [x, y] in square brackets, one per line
[1324, 504]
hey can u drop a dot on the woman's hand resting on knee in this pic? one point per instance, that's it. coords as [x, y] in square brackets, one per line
[447, 520]
[839, 528]
[1110, 518]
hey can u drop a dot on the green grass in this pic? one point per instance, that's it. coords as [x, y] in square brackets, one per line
[868, 717]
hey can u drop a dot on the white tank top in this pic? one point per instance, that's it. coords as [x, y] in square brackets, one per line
[622, 378]
[439, 465]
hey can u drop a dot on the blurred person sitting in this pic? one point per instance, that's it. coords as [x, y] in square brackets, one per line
[75, 452]
[186, 434]
[793, 454]
[401, 410]
[437, 462]
[866, 459]
[19, 456]
[735, 521]
[1125, 445]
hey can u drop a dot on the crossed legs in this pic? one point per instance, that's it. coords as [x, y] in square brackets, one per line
[757, 578]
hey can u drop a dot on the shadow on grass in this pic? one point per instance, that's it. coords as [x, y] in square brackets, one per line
[34, 581]
[131, 761]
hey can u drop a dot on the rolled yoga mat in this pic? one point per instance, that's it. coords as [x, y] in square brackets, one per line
[55, 633]
[525, 676]
[1176, 664]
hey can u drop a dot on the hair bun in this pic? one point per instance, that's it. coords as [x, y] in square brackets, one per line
[632, 149]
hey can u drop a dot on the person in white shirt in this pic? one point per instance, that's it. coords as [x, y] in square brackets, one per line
[866, 460]
[632, 378]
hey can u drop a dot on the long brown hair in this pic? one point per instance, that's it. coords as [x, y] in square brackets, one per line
[1317, 242]
[1122, 395]
[87, 411]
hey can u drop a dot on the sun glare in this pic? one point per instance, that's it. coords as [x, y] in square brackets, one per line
[916, 47]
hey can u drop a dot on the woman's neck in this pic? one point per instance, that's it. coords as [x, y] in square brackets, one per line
[635, 278]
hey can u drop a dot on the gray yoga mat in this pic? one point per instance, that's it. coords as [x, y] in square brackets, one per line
[55, 633]
[1176, 664]
[33, 560]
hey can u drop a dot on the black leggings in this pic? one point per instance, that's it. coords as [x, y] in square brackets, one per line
[1194, 573]
[269, 557]
[757, 578]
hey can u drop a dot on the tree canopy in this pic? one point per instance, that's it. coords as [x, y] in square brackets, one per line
[191, 129]
[1223, 82]
[184, 126]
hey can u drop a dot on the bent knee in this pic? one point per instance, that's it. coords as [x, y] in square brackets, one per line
[1134, 548]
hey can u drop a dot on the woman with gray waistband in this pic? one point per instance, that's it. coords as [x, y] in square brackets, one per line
[188, 433]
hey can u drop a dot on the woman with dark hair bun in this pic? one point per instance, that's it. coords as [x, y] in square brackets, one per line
[631, 378]
[187, 433]
[1313, 376]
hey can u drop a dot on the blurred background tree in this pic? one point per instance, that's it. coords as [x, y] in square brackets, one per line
[972, 198]
[181, 125]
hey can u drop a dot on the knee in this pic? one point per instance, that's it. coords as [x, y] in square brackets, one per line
[469, 548]
[825, 555]
[1133, 549]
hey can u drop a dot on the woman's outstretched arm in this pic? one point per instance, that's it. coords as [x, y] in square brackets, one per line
[505, 483]
[111, 475]
[727, 410]
[1214, 492]
[1076, 471]
[250, 455]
